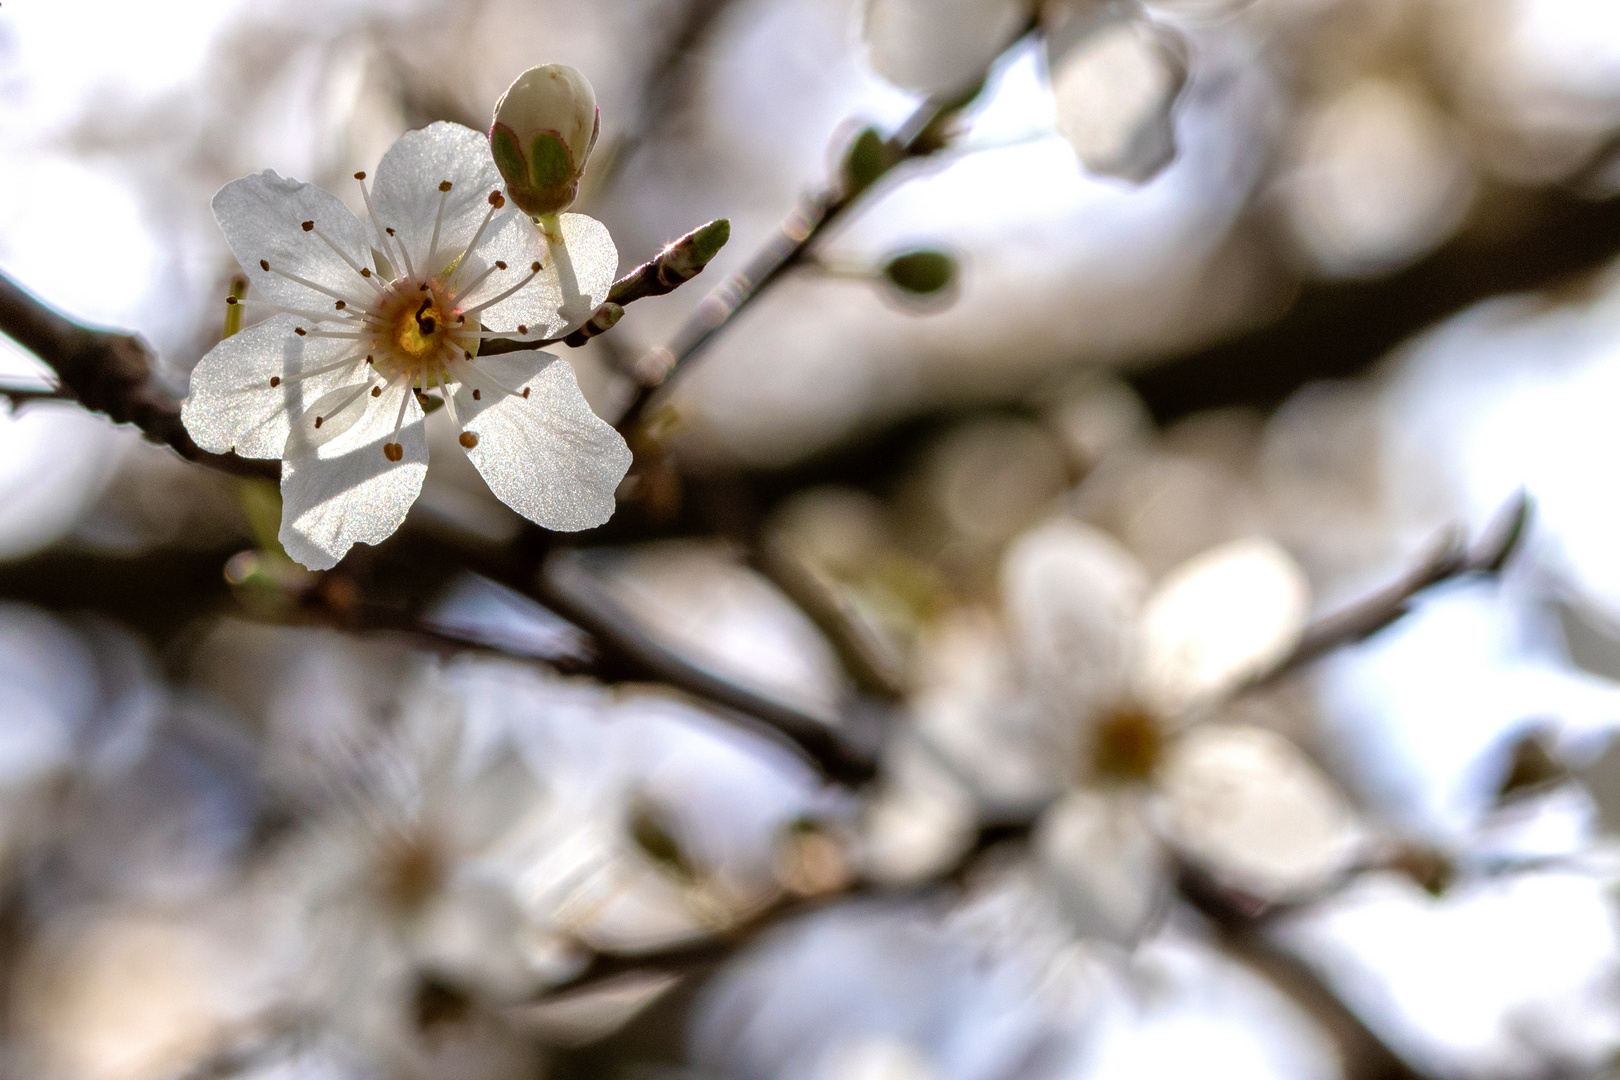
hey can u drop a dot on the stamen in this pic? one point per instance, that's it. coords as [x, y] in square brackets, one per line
[496, 383]
[350, 317]
[350, 400]
[378, 226]
[352, 335]
[309, 226]
[449, 398]
[479, 280]
[496, 201]
[534, 272]
[438, 220]
[308, 284]
[300, 376]
[403, 254]
[393, 451]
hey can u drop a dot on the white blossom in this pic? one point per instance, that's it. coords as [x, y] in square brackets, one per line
[369, 316]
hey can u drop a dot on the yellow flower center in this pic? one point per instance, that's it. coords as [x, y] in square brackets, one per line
[1127, 745]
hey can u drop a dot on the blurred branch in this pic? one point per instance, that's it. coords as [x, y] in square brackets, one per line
[1451, 558]
[568, 587]
[109, 373]
[920, 135]
[22, 395]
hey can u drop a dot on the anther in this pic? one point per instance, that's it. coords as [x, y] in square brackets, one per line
[230, 300]
[365, 272]
[264, 264]
[497, 200]
[525, 391]
[393, 451]
[468, 439]
[445, 186]
[478, 395]
[318, 420]
[340, 305]
[376, 391]
[300, 331]
[389, 231]
[534, 268]
[499, 265]
[309, 226]
[359, 176]
[275, 380]
[370, 359]
[522, 329]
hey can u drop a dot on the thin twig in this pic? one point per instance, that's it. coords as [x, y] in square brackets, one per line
[1449, 559]
[568, 587]
[817, 212]
[109, 373]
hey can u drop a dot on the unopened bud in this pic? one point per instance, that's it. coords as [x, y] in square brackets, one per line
[921, 273]
[545, 125]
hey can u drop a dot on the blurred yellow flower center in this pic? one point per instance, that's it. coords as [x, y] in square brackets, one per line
[1127, 745]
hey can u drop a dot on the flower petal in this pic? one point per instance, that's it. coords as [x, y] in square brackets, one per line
[547, 455]
[1217, 619]
[936, 46]
[346, 491]
[1250, 807]
[1115, 92]
[1072, 595]
[262, 217]
[577, 274]
[407, 198]
[232, 404]
[1104, 863]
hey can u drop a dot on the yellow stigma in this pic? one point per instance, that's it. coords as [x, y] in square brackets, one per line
[419, 331]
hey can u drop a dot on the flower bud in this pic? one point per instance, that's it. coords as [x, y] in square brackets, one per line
[545, 125]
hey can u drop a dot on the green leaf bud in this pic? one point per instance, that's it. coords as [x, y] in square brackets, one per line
[921, 273]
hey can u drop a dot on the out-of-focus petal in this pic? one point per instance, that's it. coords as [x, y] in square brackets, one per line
[1248, 806]
[1217, 619]
[922, 821]
[346, 491]
[935, 46]
[1116, 91]
[233, 403]
[1105, 863]
[1072, 596]
[542, 451]
[407, 197]
[263, 218]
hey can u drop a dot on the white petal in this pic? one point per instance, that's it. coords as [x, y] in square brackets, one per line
[346, 491]
[262, 217]
[1115, 91]
[934, 46]
[547, 456]
[575, 280]
[1104, 863]
[1246, 803]
[406, 193]
[232, 405]
[1217, 619]
[1072, 595]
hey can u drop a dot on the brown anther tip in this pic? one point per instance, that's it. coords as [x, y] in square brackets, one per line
[389, 231]
[309, 226]
[376, 391]
[495, 199]
[468, 439]
[466, 353]
[230, 300]
[525, 391]
[299, 330]
[444, 185]
[340, 305]
[264, 264]
[534, 267]
[359, 176]
[275, 380]
[318, 420]
[523, 329]
[364, 272]
[369, 359]
[422, 287]
[393, 451]
[499, 265]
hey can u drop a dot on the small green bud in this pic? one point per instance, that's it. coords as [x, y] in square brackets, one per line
[869, 157]
[921, 273]
[544, 128]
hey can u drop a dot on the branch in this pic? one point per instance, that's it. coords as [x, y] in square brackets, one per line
[569, 589]
[111, 374]
[1450, 559]
[920, 135]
